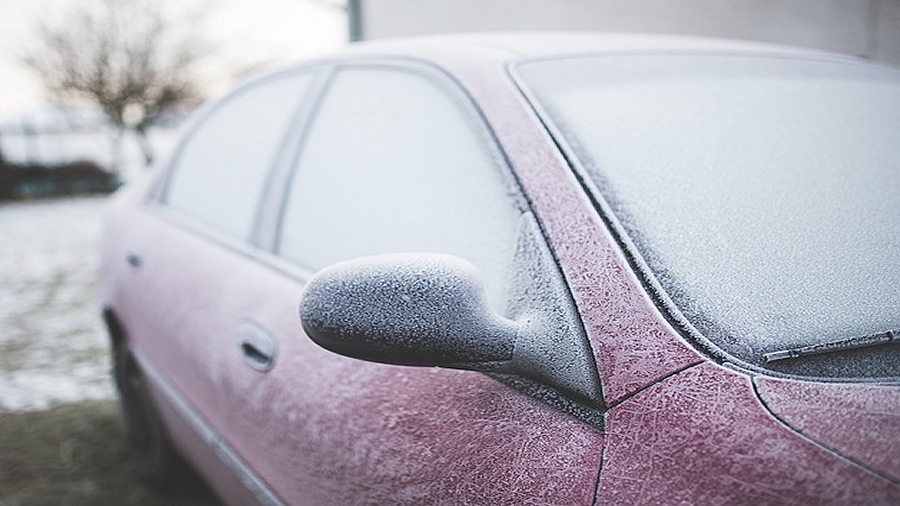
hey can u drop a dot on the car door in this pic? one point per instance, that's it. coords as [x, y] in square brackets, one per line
[395, 159]
[191, 240]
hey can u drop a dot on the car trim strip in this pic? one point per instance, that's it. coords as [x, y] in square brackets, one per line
[225, 453]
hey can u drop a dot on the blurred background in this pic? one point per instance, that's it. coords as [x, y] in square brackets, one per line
[67, 140]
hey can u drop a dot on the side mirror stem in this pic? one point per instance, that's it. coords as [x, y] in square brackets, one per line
[552, 347]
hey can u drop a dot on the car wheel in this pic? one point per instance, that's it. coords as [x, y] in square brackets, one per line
[156, 461]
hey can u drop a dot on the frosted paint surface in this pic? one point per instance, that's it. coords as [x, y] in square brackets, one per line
[394, 164]
[857, 420]
[762, 194]
[701, 437]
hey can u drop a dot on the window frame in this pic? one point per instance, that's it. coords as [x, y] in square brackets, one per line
[155, 200]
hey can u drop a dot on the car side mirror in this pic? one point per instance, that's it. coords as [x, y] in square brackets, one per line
[407, 309]
[428, 309]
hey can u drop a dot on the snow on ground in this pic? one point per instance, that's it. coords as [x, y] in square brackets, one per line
[53, 348]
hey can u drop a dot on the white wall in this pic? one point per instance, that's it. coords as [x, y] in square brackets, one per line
[860, 27]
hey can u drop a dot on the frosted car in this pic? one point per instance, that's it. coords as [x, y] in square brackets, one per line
[522, 269]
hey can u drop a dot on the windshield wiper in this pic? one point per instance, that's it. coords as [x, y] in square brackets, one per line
[834, 346]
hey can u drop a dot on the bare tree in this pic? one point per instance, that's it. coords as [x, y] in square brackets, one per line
[128, 57]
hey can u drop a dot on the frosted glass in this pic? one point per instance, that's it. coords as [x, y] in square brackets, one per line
[762, 193]
[220, 172]
[394, 164]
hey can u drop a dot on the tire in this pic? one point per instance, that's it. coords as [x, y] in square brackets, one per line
[156, 461]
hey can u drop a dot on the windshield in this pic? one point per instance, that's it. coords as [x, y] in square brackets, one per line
[762, 195]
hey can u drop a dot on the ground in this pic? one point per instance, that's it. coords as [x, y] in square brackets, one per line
[52, 346]
[61, 437]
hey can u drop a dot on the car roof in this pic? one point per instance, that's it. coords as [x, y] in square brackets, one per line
[506, 46]
[474, 53]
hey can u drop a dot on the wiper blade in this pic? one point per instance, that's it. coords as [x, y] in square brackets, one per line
[834, 346]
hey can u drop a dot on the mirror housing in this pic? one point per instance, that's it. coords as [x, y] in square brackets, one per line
[430, 309]
[407, 309]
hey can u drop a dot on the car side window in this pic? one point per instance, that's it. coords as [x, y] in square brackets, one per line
[399, 162]
[220, 172]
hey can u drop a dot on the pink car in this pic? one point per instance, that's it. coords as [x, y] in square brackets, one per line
[530, 269]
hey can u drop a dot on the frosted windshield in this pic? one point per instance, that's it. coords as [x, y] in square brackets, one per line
[762, 193]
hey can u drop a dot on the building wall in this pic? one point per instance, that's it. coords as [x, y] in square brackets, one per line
[868, 28]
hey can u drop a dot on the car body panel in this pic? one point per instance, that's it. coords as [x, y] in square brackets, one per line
[701, 437]
[203, 447]
[182, 270]
[859, 421]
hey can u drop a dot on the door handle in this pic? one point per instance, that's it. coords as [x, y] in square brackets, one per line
[133, 259]
[258, 347]
[254, 355]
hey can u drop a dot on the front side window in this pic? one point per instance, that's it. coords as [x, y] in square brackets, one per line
[219, 173]
[395, 162]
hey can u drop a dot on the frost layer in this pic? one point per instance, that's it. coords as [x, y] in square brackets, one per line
[52, 346]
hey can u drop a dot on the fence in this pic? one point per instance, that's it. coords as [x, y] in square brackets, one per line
[58, 151]
[58, 136]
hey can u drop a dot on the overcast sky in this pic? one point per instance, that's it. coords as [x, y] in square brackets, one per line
[245, 32]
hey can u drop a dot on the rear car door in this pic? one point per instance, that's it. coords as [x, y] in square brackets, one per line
[192, 240]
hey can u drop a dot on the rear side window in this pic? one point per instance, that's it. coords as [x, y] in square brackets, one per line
[398, 162]
[219, 173]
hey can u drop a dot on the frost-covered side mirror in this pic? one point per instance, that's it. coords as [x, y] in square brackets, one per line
[407, 309]
[427, 309]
